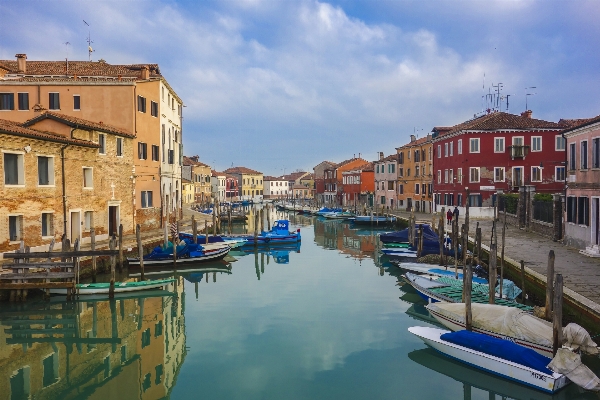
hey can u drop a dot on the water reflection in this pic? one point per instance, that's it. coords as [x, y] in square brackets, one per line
[129, 347]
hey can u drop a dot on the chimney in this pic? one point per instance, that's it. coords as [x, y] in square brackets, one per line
[380, 155]
[526, 114]
[145, 72]
[413, 138]
[21, 63]
[428, 137]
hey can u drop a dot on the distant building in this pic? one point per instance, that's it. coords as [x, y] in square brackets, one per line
[232, 191]
[250, 181]
[275, 187]
[386, 181]
[415, 172]
[358, 186]
[333, 175]
[218, 183]
[582, 216]
[319, 178]
[200, 176]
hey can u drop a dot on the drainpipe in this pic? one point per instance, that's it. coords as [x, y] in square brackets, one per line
[64, 191]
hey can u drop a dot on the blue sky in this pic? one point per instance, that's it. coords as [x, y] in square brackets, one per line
[282, 85]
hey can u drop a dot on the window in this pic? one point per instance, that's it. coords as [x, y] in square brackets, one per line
[408, 154]
[517, 140]
[536, 174]
[153, 109]
[50, 365]
[20, 384]
[88, 220]
[474, 174]
[382, 200]
[536, 143]
[102, 143]
[559, 174]
[417, 156]
[450, 176]
[171, 156]
[499, 145]
[377, 168]
[583, 211]
[408, 172]
[76, 102]
[143, 151]
[439, 176]
[392, 168]
[445, 176]
[417, 170]
[13, 169]
[141, 103]
[7, 101]
[459, 175]
[498, 174]
[445, 149]
[451, 149]
[47, 224]
[390, 185]
[45, 171]
[119, 147]
[517, 176]
[459, 146]
[54, 101]
[584, 155]
[146, 198]
[596, 153]
[155, 153]
[15, 227]
[400, 189]
[474, 143]
[417, 188]
[146, 338]
[572, 209]
[439, 150]
[88, 179]
[401, 158]
[23, 101]
[572, 158]
[560, 143]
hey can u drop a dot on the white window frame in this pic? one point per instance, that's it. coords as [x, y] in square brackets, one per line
[54, 109]
[117, 141]
[417, 188]
[556, 173]
[512, 176]
[445, 176]
[518, 137]
[584, 155]
[88, 225]
[19, 227]
[51, 227]
[51, 172]
[459, 146]
[471, 141]
[502, 148]
[20, 172]
[100, 150]
[563, 141]
[439, 151]
[533, 139]
[450, 176]
[451, 149]
[503, 174]
[471, 174]
[446, 149]
[534, 168]
[459, 175]
[91, 169]
[439, 176]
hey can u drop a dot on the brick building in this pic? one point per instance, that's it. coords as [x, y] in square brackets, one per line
[496, 152]
[386, 181]
[358, 186]
[415, 169]
[332, 179]
[250, 182]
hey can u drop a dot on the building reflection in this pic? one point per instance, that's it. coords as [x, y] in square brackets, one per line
[129, 347]
[342, 236]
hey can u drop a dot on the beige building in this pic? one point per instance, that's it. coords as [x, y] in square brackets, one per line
[200, 174]
[62, 174]
[134, 98]
[250, 182]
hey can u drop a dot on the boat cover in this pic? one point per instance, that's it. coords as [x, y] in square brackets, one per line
[577, 338]
[402, 236]
[502, 320]
[568, 363]
[500, 348]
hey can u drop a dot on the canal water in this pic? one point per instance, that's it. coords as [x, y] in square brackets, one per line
[325, 320]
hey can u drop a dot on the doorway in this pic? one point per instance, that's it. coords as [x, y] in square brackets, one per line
[75, 225]
[596, 221]
[113, 220]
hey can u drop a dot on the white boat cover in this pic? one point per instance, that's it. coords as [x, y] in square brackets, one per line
[568, 363]
[505, 321]
[577, 338]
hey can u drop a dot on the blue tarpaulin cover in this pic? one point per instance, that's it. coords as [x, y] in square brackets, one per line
[499, 348]
[402, 236]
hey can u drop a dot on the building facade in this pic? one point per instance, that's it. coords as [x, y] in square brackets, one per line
[250, 182]
[275, 187]
[319, 178]
[386, 181]
[333, 176]
[415, 168]
[582, 216]
[218, 182]
[358, 186]
[496, 152]
[201, 177]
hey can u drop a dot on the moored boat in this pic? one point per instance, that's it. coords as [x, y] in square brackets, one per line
[187, 255]
[120, 287]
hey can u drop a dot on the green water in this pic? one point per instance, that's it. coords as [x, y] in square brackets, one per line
[326, 322]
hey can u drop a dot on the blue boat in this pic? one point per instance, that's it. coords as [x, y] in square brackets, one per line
[279, 234]
[325, 210]
[187, 253]
[429, 235]
[371, 219]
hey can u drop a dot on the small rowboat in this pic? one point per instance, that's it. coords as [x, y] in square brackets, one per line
[120, 287]
[496, 356]
[193, 257]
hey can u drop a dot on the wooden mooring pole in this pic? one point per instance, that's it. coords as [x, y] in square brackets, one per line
[111, 246]
[502, 255]
[194, 229]
[205, 231]
[523, 294]
[493, 270]
[557, 314]
[138, 236]
[549, 285]
[468, 287]
[420, 247]
[93, 247]
[120, 247]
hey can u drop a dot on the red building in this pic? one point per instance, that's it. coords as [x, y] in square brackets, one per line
[496, 152]
[332, 181]
[231, 188]
[358, 185]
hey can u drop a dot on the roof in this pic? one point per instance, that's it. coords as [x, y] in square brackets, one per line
[79, 122]
[14, 128]
[417, 142]
[307, 177]
[391, 157]
[241, 170]
[580, 123]
[216, 173]
[273, 178]
[368, 166]
[79, 68]
[193, 161]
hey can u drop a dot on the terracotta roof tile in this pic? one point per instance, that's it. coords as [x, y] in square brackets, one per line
[74, 122]
[79, 68]
[241, 170]
[502, 120]
[193, 161]
[579, 123]
[12, 127]
[417, 142]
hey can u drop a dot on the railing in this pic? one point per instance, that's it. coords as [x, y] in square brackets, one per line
[543, 211]
[518, 151]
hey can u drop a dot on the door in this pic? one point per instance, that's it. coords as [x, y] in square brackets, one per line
[517, 176]
[75, 226]
[596, 221]
[113, 219]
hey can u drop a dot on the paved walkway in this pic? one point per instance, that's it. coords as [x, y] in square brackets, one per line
[581, 274]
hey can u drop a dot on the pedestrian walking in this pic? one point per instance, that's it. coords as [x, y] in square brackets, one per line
[449, 216]
[456, 212]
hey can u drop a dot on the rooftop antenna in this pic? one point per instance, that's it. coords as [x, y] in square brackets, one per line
[527, 95]
[89, 42]
[498, 87]
[67, 44]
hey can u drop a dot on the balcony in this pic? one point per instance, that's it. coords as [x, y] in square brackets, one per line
[518, 151]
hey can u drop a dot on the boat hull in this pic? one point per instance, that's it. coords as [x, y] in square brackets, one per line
[494, 365]
[120, 287]
[214, 255]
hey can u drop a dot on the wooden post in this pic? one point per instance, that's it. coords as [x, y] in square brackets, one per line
[468, 272]
[255, 228]
[120, 247]
[523, 295]
[420, 248]
[557, 314]
[502, 255]
[493, 270]
[166, 233]
[466, 237]
[455, 245]
[478, 241]
[138, 236]
[464, 249]
[268, 217]
[93, 247]
[441, 237]
[214, 222]
[50, 247]
[549, 285]
[111, 290]
[205, 231]
[175, 237]
[194, 230]
[262, 220]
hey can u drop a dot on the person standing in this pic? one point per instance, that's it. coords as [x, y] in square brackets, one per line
[456, 212]
[449, 216]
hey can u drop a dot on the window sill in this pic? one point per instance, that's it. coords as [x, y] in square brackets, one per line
[101, 154]
[54, 109]
[47, 237]
[14, 242]
[77, 109]
[88, 188]
[14, 186]
[46, 186]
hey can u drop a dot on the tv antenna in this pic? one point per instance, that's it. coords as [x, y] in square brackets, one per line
[89, 42]
[527, 95]
[67, 44]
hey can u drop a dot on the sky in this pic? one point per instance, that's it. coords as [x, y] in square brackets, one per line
[279, 86]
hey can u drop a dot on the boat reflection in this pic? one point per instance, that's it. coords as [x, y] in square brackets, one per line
[473, 378]
[130, 347]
